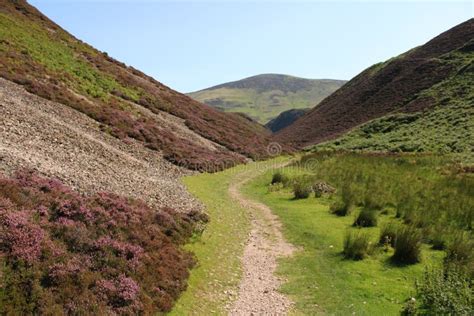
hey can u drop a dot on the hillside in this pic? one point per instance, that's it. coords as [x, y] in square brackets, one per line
[421, 100]
[263, 97]
[129, 105]
[93, 212]
[285, 119]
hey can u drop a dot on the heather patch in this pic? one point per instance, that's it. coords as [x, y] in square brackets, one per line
[66, 252]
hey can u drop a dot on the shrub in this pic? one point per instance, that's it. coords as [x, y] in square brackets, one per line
[279, 177]
[388, 234]
[301, 190]
[366, 218]
[408, 246]
[445, 291]
[357, 245]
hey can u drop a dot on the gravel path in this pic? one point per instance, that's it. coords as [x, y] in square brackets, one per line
[258, 290]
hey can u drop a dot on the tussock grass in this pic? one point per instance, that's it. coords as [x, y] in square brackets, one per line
[357, 244]
[367, 218]
[408, 246]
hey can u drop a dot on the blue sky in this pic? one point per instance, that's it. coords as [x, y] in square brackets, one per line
[190, 45]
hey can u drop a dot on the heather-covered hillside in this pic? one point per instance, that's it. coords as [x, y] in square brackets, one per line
[49, 62]
[427, 93]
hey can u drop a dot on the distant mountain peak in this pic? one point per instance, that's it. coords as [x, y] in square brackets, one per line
[274, 81]
[265, 96]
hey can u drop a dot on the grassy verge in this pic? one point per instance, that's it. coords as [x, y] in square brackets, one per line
[218, 248]
[320, 280]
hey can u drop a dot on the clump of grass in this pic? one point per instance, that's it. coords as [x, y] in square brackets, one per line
[279, 177]
[408, 246]
[357, 245]
[388, 234]
[366, 218]
[301, 190]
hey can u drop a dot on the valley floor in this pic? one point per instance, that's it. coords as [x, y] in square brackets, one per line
[238, 250]
[245, 265]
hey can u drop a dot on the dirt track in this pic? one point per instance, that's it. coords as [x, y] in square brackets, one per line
[258, 290]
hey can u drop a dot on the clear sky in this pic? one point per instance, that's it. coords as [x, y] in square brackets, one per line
[190, 45]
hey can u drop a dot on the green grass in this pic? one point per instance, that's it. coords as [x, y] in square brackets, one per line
[217, 249]
[320, 280]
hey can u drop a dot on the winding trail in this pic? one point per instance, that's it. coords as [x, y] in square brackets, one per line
[258, 289]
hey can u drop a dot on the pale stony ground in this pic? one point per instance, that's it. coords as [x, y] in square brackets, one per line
[63, 143]
[258, 291]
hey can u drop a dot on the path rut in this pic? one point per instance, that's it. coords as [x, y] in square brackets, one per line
[258, 291]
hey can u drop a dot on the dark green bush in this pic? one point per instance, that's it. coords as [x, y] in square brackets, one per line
[357, 245]
[388, 234]
[366, 218]
[408, 246]
[279, 177]
[447, 291]
[301, 190]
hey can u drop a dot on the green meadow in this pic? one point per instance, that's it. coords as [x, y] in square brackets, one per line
[321, 277]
